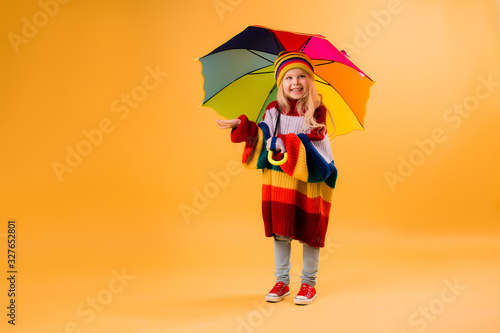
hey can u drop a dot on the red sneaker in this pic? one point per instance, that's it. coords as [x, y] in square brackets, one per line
[306, 295]
[278, 293]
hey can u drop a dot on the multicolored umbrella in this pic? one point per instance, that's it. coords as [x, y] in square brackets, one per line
[239, 76]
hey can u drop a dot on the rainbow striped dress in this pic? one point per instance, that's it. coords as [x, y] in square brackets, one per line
[296, 196]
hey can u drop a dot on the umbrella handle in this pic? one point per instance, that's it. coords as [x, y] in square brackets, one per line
[273, 162]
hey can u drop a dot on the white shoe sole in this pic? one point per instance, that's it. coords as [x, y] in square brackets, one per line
[304, 301]
[273, 298]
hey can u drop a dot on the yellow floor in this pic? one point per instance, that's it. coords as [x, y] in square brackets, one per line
[368, 283]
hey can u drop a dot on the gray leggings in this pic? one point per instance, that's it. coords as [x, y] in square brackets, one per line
[282, 253]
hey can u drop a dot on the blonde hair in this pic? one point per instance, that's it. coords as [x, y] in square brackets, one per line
[306, 106]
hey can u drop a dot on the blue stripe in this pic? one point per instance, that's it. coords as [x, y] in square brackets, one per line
[273, 142]
[263, 162]
[319, 169]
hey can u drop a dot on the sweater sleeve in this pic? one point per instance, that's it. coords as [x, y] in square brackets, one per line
[308, 161]
[254, 136]
[309, 155]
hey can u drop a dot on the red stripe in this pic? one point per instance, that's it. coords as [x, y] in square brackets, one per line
[293, 197]
[247, 132]
[291, 221]
[292, 146]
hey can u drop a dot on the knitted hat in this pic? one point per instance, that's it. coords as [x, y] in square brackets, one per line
[291, 59]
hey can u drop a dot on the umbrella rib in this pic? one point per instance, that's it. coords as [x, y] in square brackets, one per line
[260, 73]
[279, 45]
[258, 55]
[325, 63]
[305, 43]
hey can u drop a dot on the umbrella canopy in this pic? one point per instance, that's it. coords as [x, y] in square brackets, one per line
[239, 76]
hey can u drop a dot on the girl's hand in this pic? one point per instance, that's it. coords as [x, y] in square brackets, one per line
[226, 124]
[277, 146]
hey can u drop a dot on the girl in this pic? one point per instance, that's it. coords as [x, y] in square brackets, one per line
[296, 196]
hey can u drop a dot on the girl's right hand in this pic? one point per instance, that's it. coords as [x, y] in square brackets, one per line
[226, 124]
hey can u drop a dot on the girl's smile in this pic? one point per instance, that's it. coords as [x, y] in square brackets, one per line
[295, 83]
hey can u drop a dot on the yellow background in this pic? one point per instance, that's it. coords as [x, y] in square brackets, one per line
[200, 262]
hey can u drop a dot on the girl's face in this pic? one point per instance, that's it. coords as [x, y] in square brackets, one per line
[295, 83]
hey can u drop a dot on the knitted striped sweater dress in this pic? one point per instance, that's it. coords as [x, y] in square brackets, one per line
[296, 196]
